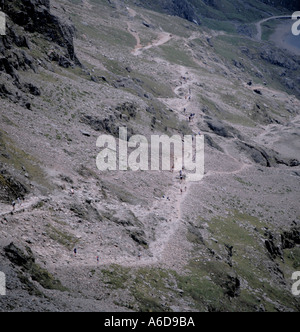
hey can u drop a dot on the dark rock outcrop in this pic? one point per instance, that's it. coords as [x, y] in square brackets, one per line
[123, 114]
[291, 238]
[10, 188]
[18, 256]
[221, 129]
[35, 16]
[138, 236]
[25, 18]
[256, 154]
[276, 243]
[273, 245]
[278, 58]
[232, 285]
[24, 259]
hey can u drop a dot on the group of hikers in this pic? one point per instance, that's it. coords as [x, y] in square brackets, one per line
[191, 117]
[181, 178]
[75, 254]
[189, 98]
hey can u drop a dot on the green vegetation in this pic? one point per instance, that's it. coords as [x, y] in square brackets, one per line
[108, 35]
[268, 28]
[292, 258]
[26, 260]
[62, 237]
[146, 286]
[219, 25]
[205, 285]
[44, 278]
[21, 160]
[242, 53]
[177, 54]
[248, 260]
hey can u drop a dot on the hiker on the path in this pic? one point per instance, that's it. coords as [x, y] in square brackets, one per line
[139, 255]
[98, 259]
[191, 117]
[13, 205]
[75, 251]
[180, 175]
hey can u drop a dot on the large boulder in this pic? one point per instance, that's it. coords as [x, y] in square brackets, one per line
[291, 238]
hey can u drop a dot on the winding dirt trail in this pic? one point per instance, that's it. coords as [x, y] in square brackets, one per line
[26, 205]
[167, 246]
[258, 25]
[162, 39]
[171, 229]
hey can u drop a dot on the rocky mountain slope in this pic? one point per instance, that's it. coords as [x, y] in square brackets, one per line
[203, 11]
[71, 70]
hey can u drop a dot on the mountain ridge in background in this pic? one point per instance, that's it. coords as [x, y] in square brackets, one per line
[240, 11]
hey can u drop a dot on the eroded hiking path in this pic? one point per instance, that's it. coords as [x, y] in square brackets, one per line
[162, 38]
[258, 25]
[170, 246]
[20, 207]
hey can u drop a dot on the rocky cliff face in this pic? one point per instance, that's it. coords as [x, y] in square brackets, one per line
[25, 18]
[35, 16]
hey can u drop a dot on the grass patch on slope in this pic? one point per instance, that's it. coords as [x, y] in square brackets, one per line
[17, 158]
